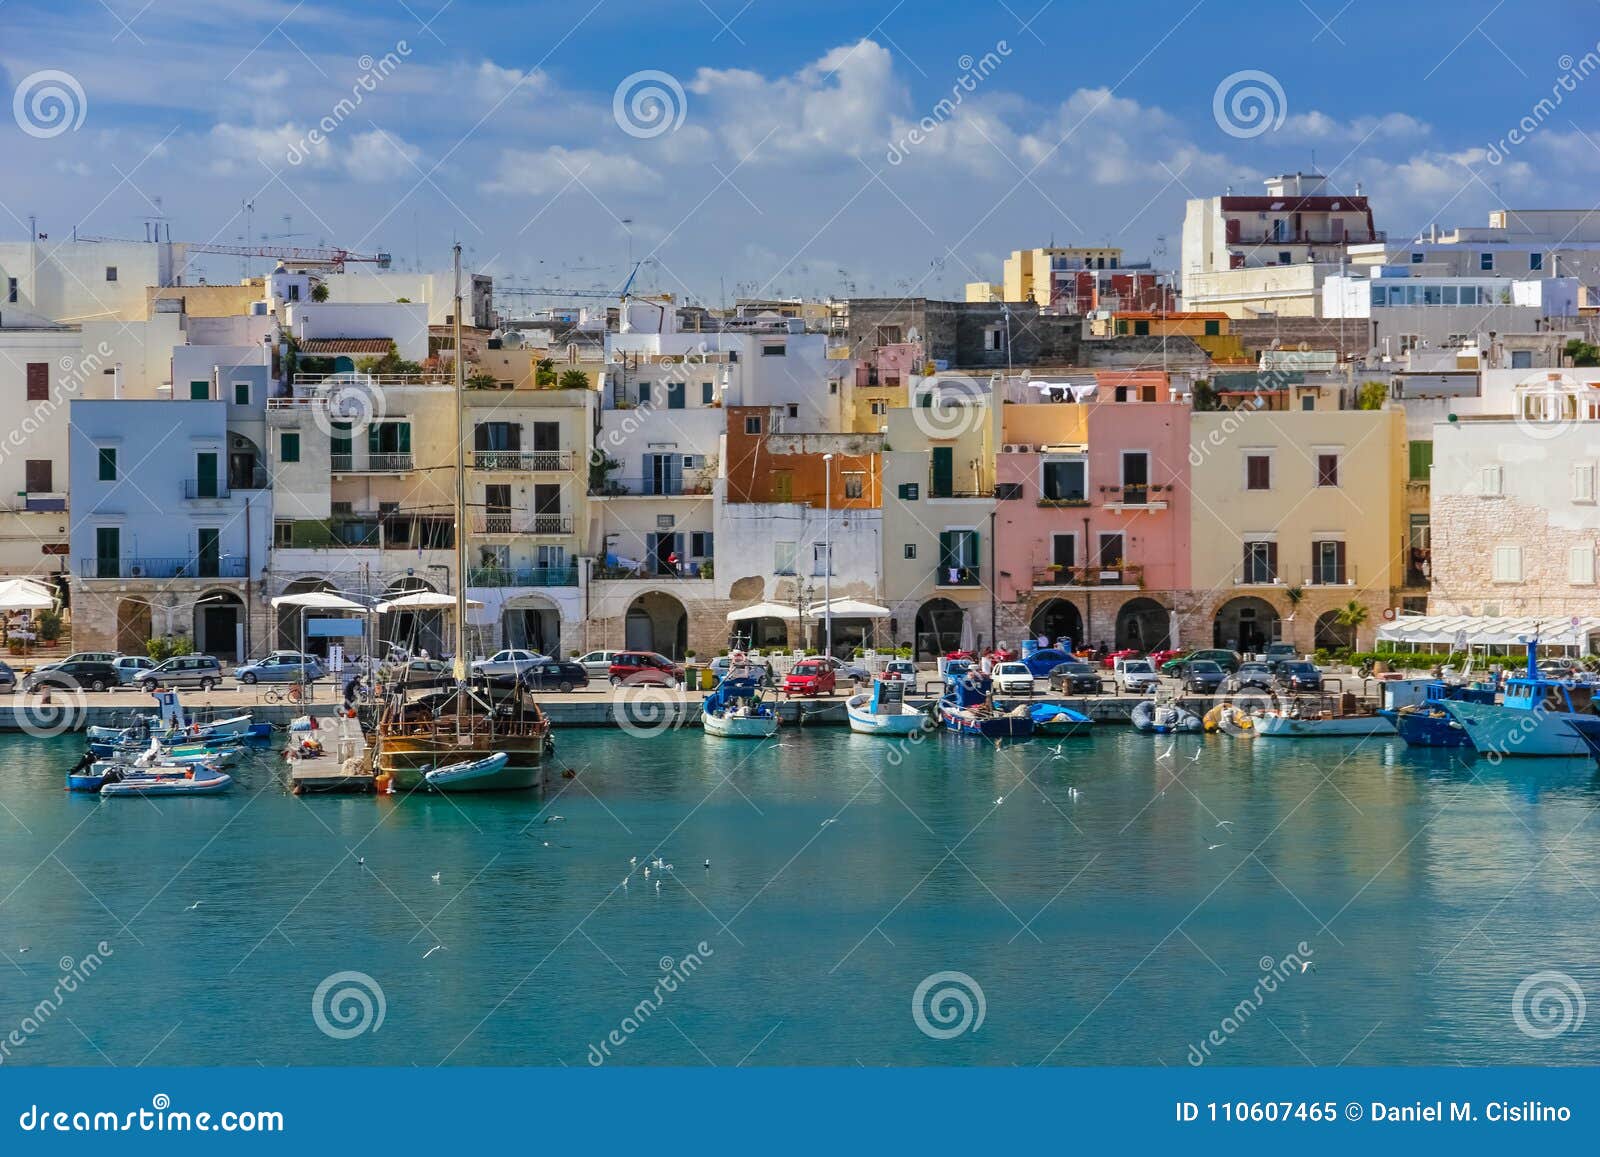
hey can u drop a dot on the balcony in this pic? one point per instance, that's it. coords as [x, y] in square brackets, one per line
[648, 569]
[195, 488]
[1089, 576]
[1064, 500]
[161, 568]
[521, 524]
[1130, 497]
[374, 464]
[538, 576]
[1259, 575]
[527, 460]
[956, 576]
[651, 487]
[1328, 576]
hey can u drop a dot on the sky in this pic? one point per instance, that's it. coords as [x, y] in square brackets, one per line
[763, 148]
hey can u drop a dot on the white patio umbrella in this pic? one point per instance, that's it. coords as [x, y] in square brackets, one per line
[763, 611]
[848, 609]
[424, 601]
[22, 595]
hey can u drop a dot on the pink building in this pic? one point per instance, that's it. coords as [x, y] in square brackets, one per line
[1092, 541]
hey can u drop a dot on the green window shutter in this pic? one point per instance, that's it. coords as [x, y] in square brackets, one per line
[374, 441]
[1421, 461]
[404, 437]
[1213, 329]
[289, 447]
[241, 393]
[947, 548]
[972, 553]
[199, 391]
[108, 465]
[926, 401]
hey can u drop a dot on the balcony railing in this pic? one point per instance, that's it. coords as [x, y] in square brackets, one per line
[649, 569]
[1146, 494]
[956, 576]
[1260, 575]
[522, 523]
[652, 487]
[194, 488]
[374, 464]
[1089, 576]
[538, 576]
[557, 460]
[1328, 576]
[161, 568]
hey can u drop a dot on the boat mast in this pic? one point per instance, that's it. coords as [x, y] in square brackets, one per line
[461, 501]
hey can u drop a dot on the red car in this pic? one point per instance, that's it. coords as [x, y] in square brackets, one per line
[1159, 657]
[810, 677]
[636, 667]
[1126, 653]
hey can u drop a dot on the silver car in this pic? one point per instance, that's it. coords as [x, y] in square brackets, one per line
[281, 667]
[511, 662]
[597, 663]
[129, 667]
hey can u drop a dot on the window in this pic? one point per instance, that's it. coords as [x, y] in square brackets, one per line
[1285, 257]
[1489, 481]
[783, 557]
[1535, 262]
[911, 550]
[199, 391]
[111, 273]
[1486, 262]
[1111, 550]
[878, 408]
[39, 476]
[819, 558]
[1421, 461]
[1260, 562]
[1007, 490]
[1064, 551]
[854, 485]
[1135, 477]
[241, 393]
[288, 447]
[1066, 481]
[1580, 566]
[1327, 563]
[1309, 402]
[108, 464]
[700, 544]
[283, 533]
[1258, 472]
[994, 339]
[794, 410]
[38, 381]
[1141, 329]
[889, 335]
[909, 491]
[1522, 359]
[776, 350]
[708, 393]
[1213, 329]
[1508, 564]
[294, 292]
[11, 290]
[752, 425]
[1583, 482]
[1327, 469]
[1416, 258]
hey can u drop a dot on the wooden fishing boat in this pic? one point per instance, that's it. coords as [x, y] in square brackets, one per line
[968, 709]
[884, 711]
[469, 775]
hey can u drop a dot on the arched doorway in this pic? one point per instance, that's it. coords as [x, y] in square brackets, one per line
[246, 463]
[1245, 624]
[532, 623]
[938, 628]
[133, 626]
[657, 622]
[1144, 625]
[1332, 635]
[219, 626]
[758, 634]
[1057, 619]
[413, 631]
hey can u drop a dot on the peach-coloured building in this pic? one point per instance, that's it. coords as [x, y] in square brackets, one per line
[1092, 537]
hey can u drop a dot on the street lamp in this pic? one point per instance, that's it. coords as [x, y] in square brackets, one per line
[827, 554]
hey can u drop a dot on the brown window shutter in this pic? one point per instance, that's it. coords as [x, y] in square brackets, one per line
[1272, 559]
[1338, 555]
[38, 476]
[38, 381]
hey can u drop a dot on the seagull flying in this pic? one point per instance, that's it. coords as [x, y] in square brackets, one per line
[1214, 847]
[554, 819]
[825, 822]
[1055, 752]
[998, 800]
[1167, 754]
[431, 951]
[1224, 823]
[1307, 966]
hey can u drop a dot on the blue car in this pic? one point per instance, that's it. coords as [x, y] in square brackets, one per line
[1043, 661]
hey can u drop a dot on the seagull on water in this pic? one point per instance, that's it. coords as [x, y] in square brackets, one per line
[554, 819]
[193, 906]
[633, 859]
[361, 861]
[436, 877]
[1196, 758]
[1072, 793]
[658, 885]
[708, 865]
[647, 871]
[624, 881]
[998, 800]
[1055, 752]
[1214, 847]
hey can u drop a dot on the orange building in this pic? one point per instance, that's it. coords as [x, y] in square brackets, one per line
[769, 460]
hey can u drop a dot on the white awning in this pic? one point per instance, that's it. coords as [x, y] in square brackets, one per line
[1484, 630]
[317, 601]
[763, 611]
[424, 601]
[24, 595]
[848, 609]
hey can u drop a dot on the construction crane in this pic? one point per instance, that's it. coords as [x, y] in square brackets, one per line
[333, 258]
[619, 295]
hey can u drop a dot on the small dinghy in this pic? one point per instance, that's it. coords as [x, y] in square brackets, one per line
[736, 710]
[1048, 719]
[1232, 720]
[1164, 718]
[471, 775]
[191, 784]
[883, 711]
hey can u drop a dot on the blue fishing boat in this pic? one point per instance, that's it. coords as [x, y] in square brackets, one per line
[1531, 717]
[1587, 729]
[471, 775]
[884, 711]
[147, 785]
[1416, 708]
[1049, 719]
[736, 710]
[966, 709]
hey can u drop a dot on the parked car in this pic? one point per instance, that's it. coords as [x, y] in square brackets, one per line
[598, 662]
[638, 667]
[810, 677]
[1075, 678]
[1160, 658]
[73, 675]
[512, 662]
[422, 673]
[1012, 679]
[82, 657]
[1298, 675]
[853, 672]
[1126, 653]
[1227, 660]
[1249, 676]
[129, 666]
[900, 671]
[1136, 676]
[8, 677]
[1045, 660]
[281, 667]
[1277, 653]
[556, 675]
[1204, 677]
[721, 664]
[200, 671]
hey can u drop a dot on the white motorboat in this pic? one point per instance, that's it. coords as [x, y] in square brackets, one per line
[884, 711]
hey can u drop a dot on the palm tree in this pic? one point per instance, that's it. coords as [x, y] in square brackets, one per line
[544, 373]
[573, 380]
[1351, 616]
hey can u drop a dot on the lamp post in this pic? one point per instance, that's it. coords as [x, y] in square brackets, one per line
[827, 554]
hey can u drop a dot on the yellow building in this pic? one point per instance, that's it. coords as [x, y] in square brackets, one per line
[1028, 272]
[1297, 514]
[985, 291]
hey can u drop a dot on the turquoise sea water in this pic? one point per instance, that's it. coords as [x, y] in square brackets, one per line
[1089, 907]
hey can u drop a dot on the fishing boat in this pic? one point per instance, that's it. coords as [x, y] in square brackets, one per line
[1050, 719]
[967, 709]
[1587, 729]
[1416, 708]
[1322, 717]
[735, 709]
[192, 784]
[1164, 718]
[469, 775]
[464, 723]
[172, 725]
[883, 711]
[1531, 717]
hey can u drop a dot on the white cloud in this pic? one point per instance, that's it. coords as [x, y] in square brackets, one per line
[362, 156]
[550, 170]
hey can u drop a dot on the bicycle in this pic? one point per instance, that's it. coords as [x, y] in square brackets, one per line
[291, 693]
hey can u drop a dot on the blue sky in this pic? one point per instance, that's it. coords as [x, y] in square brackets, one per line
[804, 148]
